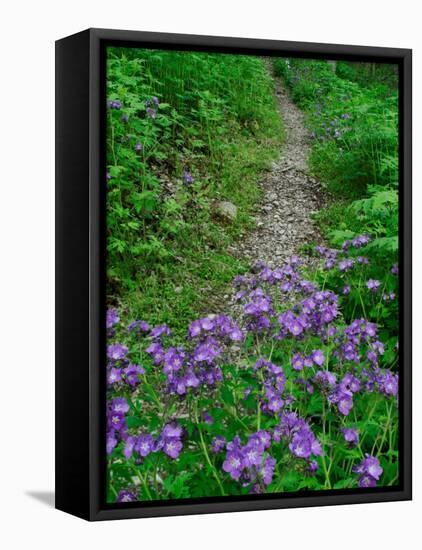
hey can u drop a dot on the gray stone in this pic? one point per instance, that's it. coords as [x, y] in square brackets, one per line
[226, 210]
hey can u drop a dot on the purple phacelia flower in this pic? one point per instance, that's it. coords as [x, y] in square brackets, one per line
[388, 383]
[138, 146]
[132, 373]
[173, 429]
[207, 418]
[373, 284]
[325, 378]
[112, 317]
[144, 445]
[346, 265]
[114, 104]
[345, 404]
[370, 470]
[125, 495]
[318, 357]
[363, 260]
[116, 420]
[218, 444]
[297, 361]
[267, 470]
[158, 331]
[119, 404]
[111, 441]
[129, 446]
[351, 436]
[366, 480]
[172, 447]
[187, 178]
[233, 464]
[116, 351]
[114, 376]
[247, 392]
[360, 240]
[141, 325]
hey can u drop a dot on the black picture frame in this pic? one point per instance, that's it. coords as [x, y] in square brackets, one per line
[80, 304]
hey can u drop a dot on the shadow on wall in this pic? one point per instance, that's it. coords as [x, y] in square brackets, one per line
[45, 497]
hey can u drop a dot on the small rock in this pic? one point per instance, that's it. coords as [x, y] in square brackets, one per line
[226, 210]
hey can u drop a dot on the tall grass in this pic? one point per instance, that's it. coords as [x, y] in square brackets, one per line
[184, 131]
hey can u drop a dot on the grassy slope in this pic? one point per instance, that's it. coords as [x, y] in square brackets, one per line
[218, 121]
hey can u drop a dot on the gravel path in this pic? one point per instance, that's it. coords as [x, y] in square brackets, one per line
[289, 195]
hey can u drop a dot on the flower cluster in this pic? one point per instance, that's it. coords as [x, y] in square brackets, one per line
[281, 318]
[370, 471]
[119, 369]
[351, 436]
[169, 441]
[273, 381]
[198, 366]
[300, 437]
[250, 464]
[114, 104]
[342, 393]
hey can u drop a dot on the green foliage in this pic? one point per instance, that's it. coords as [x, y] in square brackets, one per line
[352, 116]
[369, 74]
[354, 128]
[190, 129]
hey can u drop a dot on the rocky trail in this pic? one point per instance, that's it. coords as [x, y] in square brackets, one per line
[289, 195]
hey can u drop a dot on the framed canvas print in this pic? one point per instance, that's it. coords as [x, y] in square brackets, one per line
[233, 274]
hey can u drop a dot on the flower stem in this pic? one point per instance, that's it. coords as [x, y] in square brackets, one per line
[205, 452]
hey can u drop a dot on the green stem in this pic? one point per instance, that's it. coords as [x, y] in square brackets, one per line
[324, 463]
[205, 452]
[144, 483]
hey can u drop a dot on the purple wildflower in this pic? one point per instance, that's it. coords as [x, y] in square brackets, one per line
[119, 404]
[114, 104]
[112, 317]
[187, 178]
[129, 446]
[114, 376]
[116, 351]
[351, 436]
[233, 464]
[159, 331]
[125, 495]
[373, 284]
[172, 447]
[172, 430]
[318, 357]
[111, 441]
[370, 470]
[267, 470]
[132, 373]
[218, 444]
[144, 445]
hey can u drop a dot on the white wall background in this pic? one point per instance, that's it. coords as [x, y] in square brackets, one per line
[27, 36]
